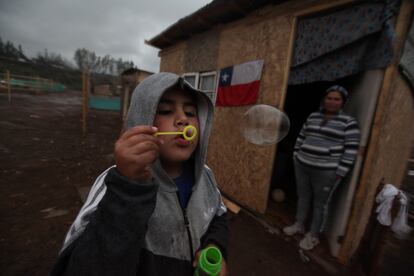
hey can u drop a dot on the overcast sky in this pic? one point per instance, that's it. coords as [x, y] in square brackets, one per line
[117, 27]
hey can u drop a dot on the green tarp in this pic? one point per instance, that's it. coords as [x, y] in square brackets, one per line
[105, 103]
[41, 85]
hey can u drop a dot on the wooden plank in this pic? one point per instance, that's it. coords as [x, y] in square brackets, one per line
[8, 84]
[291, 47]
[85, 94]
[323, 7]
[231, 205]
[29, 78]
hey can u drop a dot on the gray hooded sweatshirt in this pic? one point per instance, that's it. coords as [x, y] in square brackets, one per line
[128, 227]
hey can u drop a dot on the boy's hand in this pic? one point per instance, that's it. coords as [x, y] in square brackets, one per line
[223, 271]
[136, 149]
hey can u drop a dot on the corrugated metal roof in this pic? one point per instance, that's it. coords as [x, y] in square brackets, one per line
[217, 12]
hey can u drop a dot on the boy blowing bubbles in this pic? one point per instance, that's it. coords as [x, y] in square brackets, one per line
[154, 211]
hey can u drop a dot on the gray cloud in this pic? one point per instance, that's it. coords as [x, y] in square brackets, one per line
[117, 28]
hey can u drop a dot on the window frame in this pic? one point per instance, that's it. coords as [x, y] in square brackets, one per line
[192, 74]
[214, 89]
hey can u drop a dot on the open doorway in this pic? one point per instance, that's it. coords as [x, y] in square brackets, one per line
[301, 100]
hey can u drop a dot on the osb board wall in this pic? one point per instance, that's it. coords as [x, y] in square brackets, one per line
[198, 54]
[396, 136]
[244, 170]
[172, 59]
[143, 75]
[201, 52]
[395, 144]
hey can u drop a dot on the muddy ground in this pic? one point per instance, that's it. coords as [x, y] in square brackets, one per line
[47, 163]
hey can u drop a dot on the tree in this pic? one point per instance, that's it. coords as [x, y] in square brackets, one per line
[52, 59]
[88, 60]
[80, 58]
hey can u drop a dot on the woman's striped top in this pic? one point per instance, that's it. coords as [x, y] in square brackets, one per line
[328, 144]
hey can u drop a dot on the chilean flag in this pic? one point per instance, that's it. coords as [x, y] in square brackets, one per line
[239, 84]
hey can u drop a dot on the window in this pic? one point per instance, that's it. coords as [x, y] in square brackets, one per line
[205, 82]
[208, 84]
[192, 78]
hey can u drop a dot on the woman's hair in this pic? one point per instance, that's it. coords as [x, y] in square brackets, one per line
[342, 91]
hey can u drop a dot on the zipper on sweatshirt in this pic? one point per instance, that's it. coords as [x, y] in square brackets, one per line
[187, 227]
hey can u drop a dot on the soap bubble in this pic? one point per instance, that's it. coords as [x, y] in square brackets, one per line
[264, 125]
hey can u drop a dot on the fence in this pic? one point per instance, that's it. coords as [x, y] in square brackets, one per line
[13, 81]
[100, 102]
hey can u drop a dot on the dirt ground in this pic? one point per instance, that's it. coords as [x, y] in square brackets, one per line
[46, 165]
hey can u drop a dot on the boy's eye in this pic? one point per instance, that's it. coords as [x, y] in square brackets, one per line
[190, 113]
[163, 112]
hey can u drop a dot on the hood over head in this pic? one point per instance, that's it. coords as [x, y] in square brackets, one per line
[143, 107]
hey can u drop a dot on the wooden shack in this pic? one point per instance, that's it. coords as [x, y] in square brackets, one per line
[229, 32]
[130, 78]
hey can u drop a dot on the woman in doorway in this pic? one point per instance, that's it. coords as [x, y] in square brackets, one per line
[324, 152]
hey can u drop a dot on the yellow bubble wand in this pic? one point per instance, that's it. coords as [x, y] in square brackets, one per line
[189, 133]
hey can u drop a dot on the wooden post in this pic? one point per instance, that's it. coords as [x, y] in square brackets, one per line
[85, 95]
[125, 102]
[37, 85]
[8, 84]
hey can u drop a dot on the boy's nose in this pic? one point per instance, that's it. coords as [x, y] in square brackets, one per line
[182, 120]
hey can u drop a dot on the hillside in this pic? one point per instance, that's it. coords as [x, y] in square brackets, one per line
[71, 78]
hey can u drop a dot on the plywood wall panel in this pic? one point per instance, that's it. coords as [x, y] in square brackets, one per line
[244, 170]
[172, 59]
[201, 52]
[241, 168]
[398, 132]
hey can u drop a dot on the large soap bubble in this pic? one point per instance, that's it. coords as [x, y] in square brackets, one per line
[264, 125]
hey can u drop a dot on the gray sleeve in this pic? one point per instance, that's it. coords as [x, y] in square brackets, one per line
[113, 238]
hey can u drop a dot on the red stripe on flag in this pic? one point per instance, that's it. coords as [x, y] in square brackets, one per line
[236, 95]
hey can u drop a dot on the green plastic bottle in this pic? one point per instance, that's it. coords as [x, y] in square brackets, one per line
[209, 262]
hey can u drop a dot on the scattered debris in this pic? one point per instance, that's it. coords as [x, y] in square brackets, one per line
[231, 205]
[47, 210]
[83, 192]
[303, 256]
[52, 212]
[16, 195]
[269, 228]
[109, 157]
